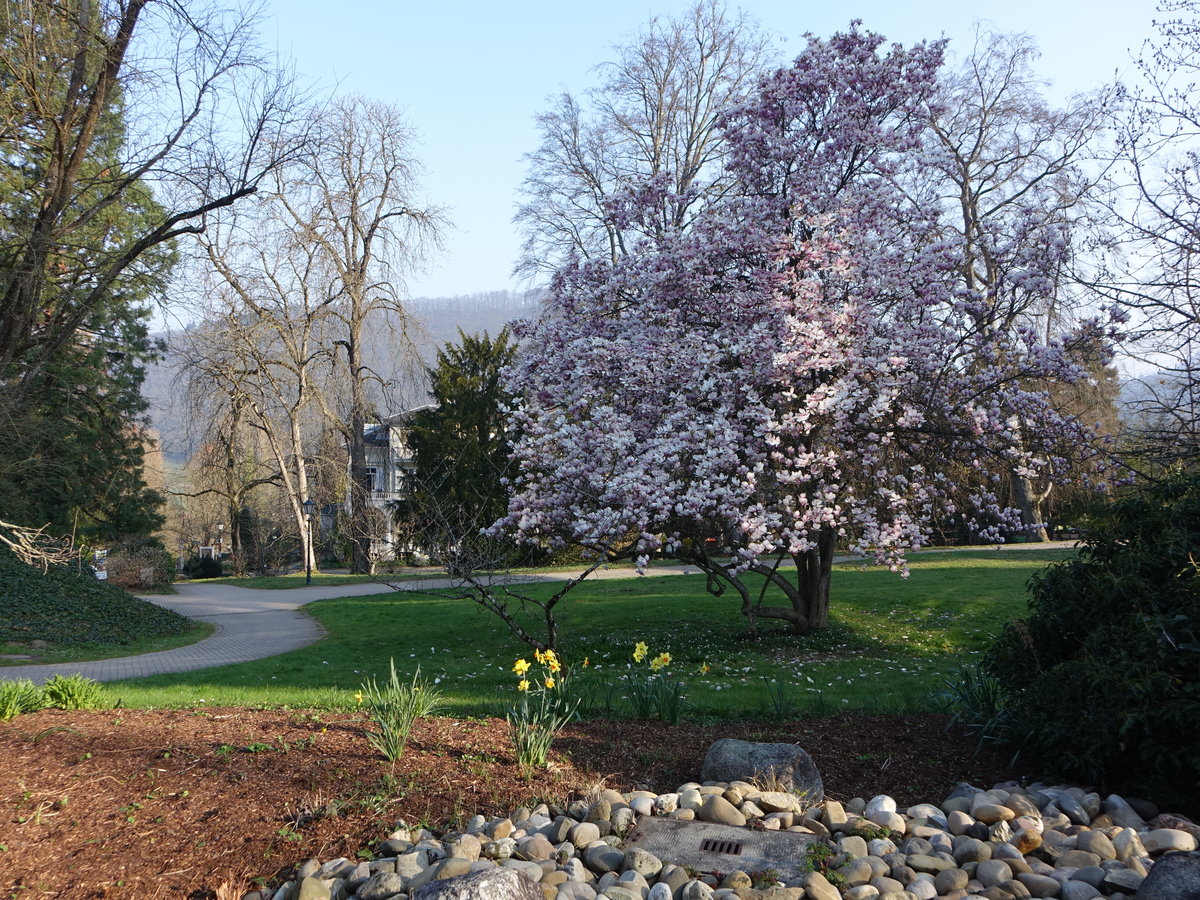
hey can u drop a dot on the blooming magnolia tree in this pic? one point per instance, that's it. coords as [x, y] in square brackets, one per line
[799, 372]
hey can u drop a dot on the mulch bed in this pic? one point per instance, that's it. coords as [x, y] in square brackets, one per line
[206, 804]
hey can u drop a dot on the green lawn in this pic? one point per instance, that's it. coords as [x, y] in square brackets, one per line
[890, 645]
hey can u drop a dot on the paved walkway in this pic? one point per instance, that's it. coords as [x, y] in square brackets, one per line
[251, 624]
[254, 623]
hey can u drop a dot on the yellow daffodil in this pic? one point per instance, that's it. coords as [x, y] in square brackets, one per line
[553, 665]
[539, 656]
[523, 684]
[640, 651]
[358, 697]
[661, 661]
[521, 667]
[587, 661]
[704, 669]
[549, 682]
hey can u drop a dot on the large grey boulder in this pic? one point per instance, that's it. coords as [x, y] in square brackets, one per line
[784, 766]
[1176, 876]
[489, 884]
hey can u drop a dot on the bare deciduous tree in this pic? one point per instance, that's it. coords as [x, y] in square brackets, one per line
[180, 75]
[651, 126]
[1014, 178]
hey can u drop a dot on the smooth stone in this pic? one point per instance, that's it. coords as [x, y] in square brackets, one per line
[659, 891]
[308, 869]
[1077, 890]
[575, 890]
[971, 850]
[1122, 813]
[1096, 842]
[665, 804]
[1076, 859]
[642, 806]
[885, 885]
[583, 833]
[833, 815]
[311, 888]
[467, 846]
[991, 813]
[501, 849]
[1127, 844]
[1039, 885]
[930, 813]
[624, 892]
[720, 811]
[1160, 840]
[600, 811]
[623, 820]
[690, 799]
[602, 858]
[958, 822]
[698, 890]
[949, 880]
[382, 886]
[777, 801]
[736, 880]
[991, 872]
[645, 864]
[879, 803]
[861, 892]
[931, 864]
[535, 847]
[1093, 875]
[1073, 809]
[857, 871]
[853, 846]
[817, 887]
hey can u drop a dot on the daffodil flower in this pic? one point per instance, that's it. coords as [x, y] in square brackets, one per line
[587, 661]
[704, 669]
[521, 667]
[549, 682]
[661, 661]
[358, 697]
[523, 684]
[640, 651]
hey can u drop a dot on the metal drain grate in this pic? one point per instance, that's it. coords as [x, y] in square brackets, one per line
[708, 847]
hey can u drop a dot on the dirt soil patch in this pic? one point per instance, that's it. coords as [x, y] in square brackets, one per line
[207, 804]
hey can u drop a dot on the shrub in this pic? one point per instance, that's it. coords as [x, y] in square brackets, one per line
[202, 567]
[141, 564]
[18, 698]
[73, 692]
[1103, 676]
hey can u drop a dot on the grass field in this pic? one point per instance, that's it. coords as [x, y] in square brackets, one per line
[891, 644]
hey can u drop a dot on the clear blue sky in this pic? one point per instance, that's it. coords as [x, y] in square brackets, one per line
[472, 75]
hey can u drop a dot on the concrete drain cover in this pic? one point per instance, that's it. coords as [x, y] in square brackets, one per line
[721, 848]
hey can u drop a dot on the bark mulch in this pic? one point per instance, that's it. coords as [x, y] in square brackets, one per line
[206, 804]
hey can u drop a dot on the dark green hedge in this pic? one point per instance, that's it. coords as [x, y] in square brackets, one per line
[1103, 676]
[66, 608]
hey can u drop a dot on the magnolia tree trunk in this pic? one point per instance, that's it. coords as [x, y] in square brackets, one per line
[1029, 501]
[806, 587]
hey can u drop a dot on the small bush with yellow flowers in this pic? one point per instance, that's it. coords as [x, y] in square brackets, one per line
[653, 691]
[542, 711]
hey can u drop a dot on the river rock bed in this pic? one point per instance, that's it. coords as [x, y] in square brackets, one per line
[1007, 843]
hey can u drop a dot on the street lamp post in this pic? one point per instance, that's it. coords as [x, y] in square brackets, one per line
[309, 506]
